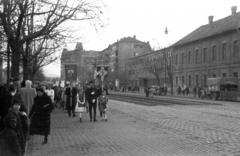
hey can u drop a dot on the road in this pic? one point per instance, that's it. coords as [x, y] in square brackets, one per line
[137, 130]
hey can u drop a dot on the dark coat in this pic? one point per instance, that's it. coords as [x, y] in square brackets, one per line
[6, 102]
[40, 115]
[71, 100]
[12, 139]
[92, 93]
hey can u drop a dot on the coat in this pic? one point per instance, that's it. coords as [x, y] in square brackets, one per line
[71, 101]
[92, 95]
[40, 115]
[12, 139]
[28, 94]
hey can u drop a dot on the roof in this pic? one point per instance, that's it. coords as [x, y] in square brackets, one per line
[227, 24]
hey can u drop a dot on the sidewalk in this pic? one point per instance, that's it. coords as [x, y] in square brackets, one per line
[189, 98]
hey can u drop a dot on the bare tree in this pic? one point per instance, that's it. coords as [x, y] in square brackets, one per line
[24, 21]
[167, 55]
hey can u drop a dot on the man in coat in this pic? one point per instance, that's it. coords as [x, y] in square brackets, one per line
[91, 96]
[28, 94]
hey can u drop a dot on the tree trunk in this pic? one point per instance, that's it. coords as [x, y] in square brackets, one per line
[15, 71]
[26, 72]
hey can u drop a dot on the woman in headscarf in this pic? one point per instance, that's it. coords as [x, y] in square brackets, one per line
[12, 139]
[40, 115]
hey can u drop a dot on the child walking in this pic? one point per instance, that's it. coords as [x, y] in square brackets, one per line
[81, 103]
[103, 102]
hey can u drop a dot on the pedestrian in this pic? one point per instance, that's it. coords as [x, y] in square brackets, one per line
[9, 94]
[103, 101]
[187, 91]
[40, 115]
[28, 94]
[74, 98]
[12, 138]
[5, 104]
[146, 91]
[81, 103]
[71, 99]
[91, 97]
[50, 92]
[57, 95]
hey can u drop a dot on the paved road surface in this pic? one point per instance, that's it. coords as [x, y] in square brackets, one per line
[135, 130]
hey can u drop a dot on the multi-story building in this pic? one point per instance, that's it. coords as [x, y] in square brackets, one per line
[212, 50]
[78, 64]
[116, 56]
[153, 68]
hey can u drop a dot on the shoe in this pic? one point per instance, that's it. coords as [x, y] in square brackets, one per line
[80, 119]
[106, 120]
[95, 120]
[74, 115]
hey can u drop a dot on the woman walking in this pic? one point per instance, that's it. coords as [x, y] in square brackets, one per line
[40, 115]
[12, 138]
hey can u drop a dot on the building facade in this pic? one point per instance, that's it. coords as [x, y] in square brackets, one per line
[116, 55]
[153, 68]
[78, 65]
[212, 50]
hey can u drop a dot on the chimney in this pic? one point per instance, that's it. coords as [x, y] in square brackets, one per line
[234, 10]
[210, 19]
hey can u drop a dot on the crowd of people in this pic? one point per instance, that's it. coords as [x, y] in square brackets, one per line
[25, 110]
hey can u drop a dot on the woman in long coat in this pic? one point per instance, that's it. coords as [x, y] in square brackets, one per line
[40, 115]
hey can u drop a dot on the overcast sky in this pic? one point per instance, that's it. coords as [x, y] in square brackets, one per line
[147, 19]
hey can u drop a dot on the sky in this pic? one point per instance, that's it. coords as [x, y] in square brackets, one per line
[147, 19]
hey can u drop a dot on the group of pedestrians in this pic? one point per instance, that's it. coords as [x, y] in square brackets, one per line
[24, 111]
[86, 99]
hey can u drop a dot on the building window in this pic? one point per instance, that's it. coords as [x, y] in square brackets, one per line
[214, 53]
[214, 75]
[176, 80]
[224, 49]
[189, 57]
[224, 74]
[176, 61]
[182, 58]
[204, 55]
[235, 49]
[183, 80]
[197, 80]
[205, 80]
[235, 74]
[189, 80]
[196, 56]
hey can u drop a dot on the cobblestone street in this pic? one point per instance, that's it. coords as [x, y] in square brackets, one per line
[134, 130]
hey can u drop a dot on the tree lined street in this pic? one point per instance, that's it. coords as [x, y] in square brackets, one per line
[132, 129]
